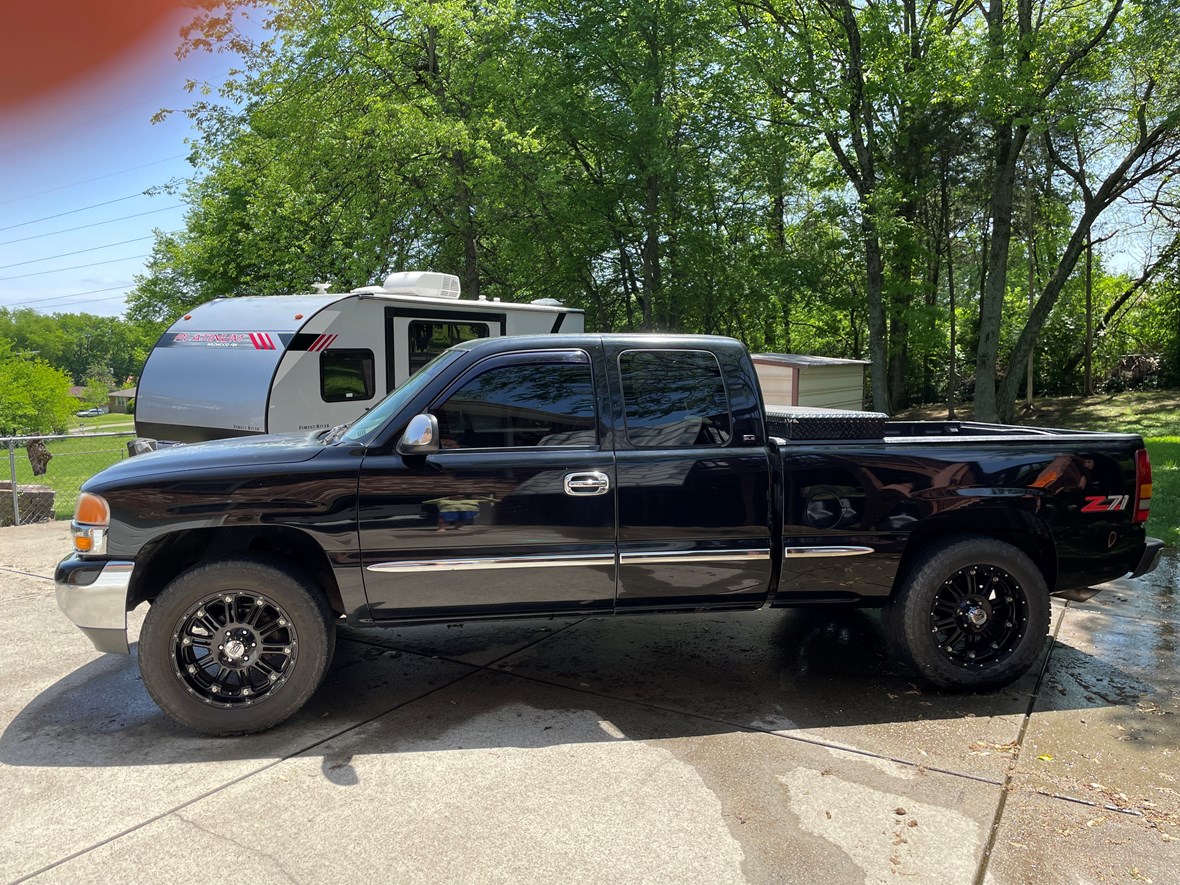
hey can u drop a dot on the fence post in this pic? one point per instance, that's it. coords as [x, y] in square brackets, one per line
[12, 473]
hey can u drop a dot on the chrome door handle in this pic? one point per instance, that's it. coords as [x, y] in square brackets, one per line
[593, 483]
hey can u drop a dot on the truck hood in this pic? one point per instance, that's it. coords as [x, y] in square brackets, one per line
[245, 451]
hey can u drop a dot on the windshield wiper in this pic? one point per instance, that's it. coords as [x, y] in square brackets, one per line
[334, 434]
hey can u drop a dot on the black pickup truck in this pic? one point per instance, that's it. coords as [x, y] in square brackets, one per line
[591, 474]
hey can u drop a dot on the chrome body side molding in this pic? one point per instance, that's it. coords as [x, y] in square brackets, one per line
[799, 552]
[411, 566]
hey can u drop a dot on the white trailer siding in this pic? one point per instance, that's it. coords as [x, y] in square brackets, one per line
[299, 363]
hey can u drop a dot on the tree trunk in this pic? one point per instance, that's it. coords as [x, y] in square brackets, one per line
[1041, 310]
[1009, 142]
[1088, 370]
[878, 353]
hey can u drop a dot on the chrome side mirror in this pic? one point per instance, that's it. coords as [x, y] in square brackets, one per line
[421, 436]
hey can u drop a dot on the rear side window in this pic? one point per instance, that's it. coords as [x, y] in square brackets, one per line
[674, 399]
[346, 375]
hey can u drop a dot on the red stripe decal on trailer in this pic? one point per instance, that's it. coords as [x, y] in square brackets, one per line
[322, 342]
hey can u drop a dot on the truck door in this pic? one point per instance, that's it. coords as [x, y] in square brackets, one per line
[414, 336]
[515, 514]
[694, 480]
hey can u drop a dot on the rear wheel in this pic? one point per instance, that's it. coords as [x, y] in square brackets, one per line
[970, 615]
[236, 646]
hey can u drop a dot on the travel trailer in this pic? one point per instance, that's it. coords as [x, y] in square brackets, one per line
[288, 363]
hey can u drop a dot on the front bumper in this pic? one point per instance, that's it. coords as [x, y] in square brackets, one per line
[1150, 558]
[94, 596]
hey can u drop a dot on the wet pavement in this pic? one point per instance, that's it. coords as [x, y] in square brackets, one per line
[761, 747]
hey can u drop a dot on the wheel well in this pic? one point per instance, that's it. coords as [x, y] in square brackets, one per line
[164, 558]
[1022, 531]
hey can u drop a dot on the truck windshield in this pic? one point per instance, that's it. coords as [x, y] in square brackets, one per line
[397, 399]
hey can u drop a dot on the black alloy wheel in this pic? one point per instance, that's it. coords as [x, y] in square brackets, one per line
[236, 646]
[979, 616]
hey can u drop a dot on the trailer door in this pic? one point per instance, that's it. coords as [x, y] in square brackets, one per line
[415, 336]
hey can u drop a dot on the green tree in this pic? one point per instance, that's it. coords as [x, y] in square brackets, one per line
[34, 397]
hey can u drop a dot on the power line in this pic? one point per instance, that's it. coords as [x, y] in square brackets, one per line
[42, 273]
[95, 224]
[74, 211]
[77, 252]
[80, 303]
[76, 125]
[62, 187]
[71, 295]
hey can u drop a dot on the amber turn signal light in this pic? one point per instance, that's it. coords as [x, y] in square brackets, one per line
[92, 517]
[92, 510]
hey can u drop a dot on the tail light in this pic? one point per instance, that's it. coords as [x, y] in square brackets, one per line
[1142, 486]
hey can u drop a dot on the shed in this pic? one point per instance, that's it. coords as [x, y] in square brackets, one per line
[121, 399]
[790, 379]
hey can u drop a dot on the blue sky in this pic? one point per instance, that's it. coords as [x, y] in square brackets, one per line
[75, 224]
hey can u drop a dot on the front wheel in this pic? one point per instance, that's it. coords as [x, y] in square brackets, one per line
[235, 646]
[970, 615]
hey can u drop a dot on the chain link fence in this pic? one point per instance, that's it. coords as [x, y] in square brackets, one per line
[43, 474]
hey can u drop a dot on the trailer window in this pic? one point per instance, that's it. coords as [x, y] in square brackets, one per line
[429, 338]
[346, 375]
[674, 399]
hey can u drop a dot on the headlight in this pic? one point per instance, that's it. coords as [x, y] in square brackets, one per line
[92, 518]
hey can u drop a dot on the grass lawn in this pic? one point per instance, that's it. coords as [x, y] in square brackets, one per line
[74, 461]
[103, 423]
[1155, 414]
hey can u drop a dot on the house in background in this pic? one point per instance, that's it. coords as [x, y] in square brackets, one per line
[120, 399]
[790, 379]
[78, 393]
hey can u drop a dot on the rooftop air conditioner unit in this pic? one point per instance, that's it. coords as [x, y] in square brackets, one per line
[424, 283]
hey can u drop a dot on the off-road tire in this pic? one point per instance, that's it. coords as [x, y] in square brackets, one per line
[970, 614]
[181, 650]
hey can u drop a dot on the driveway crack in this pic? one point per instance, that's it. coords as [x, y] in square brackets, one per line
[1006, 787]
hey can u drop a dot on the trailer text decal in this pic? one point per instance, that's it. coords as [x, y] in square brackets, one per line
[255, 340]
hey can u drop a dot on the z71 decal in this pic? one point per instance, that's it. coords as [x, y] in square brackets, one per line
[1106, 503]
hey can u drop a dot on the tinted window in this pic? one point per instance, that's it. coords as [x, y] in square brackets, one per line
[346, 375]
[521, 405]
[674, 398]
[428, 338]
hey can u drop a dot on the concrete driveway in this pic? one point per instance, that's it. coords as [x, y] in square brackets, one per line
[764, 747]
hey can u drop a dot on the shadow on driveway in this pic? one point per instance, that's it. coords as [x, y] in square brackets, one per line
[788, 671]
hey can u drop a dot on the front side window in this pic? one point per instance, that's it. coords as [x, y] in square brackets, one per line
[346, 375]
[674, 399]
[521, 404]
[428, 338]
